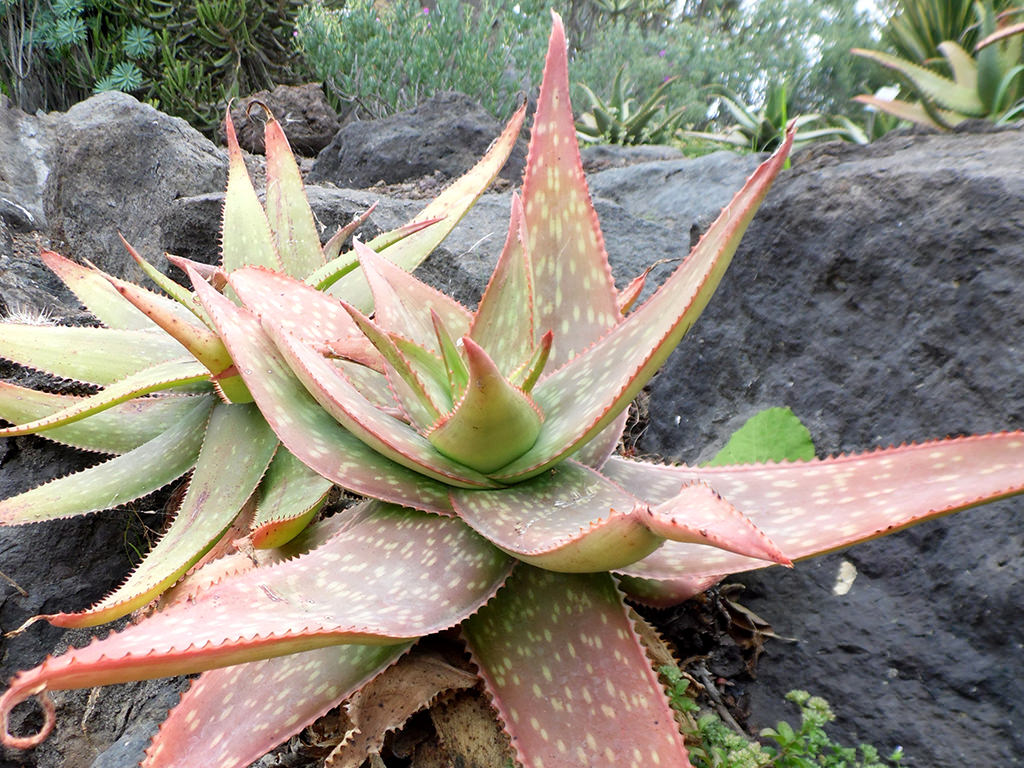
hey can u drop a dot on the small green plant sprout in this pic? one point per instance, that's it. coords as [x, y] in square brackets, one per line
[619, 121]
[811, 746]
[988, 84]
[483, 441]
[763, 129]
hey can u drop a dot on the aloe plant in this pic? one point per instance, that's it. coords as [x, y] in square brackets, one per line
[989, 84]
[484, 442]
[619, 121]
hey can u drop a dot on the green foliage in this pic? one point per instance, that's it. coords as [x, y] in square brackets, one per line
[186, 58]
[377, 59]
[917, 28]
[987, 82]
[618, 121]
[719, 746]
[774, 434]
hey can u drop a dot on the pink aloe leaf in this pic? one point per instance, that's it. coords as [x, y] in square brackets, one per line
[305, 312]
[384, 433]
[122, 479]
[572, 519]
[503, 323]
[290, 495]
[448, 208]
[302, 425]
[246, 237]
[232, 717]
[812, 507]
[493, 422]
[116, 430]
[596, 451]
[588, 392]
[155, 379]
[566, 670]
[575, 294]
[390, 576]
[92, 355]
[403, 304]
[289, 214]
[664, 593]
[235, 453]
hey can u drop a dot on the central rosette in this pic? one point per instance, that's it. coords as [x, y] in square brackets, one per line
[473, 405]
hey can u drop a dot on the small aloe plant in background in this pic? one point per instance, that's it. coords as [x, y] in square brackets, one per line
[484, 444]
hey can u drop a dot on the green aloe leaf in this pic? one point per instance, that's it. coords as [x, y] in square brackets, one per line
[564, 665]
[92, 355]
[246, 237]
[235, 453]
[124, 478]
[116, 430]
[288, 212]
[155, 379]
[943, 91]
[493, 422]
[289, 496]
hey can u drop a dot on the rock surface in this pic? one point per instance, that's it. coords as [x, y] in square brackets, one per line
[877, 293]
[306, 117]
[118, 165]
[447, 133]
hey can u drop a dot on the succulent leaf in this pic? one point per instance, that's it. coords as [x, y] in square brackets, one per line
[503, 323]
[92, 355]
[812, 507]
[342, 592]
[302, 425]
[116, 430]
[384, 433]
[571, 519]
[589, 392]
[572, 283]
[447, 209]
[175, 290]
[235, 453]
[124, 478]
[943, 91]
[403, 305]
[98, 295]
[289, 496]
[288, 212]
[159, 377]
[246, 237]
[231, 717]
[493, 423]
[566, 670]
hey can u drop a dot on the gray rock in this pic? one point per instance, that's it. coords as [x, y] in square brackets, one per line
[877, 293]
[601, 157]
[676, 193]
[447, 133]
[306, 117]
[119, 165]
[26, 155]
